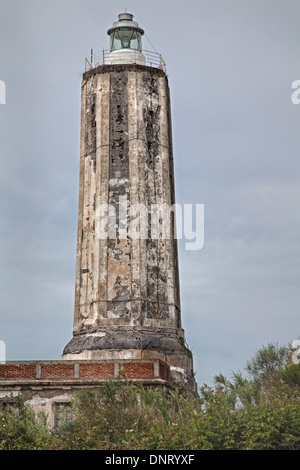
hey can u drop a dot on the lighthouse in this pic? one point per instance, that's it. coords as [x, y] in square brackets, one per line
[127, 295]
[127, 314]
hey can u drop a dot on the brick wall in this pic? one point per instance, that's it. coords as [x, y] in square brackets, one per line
[96, 370]
[57, 371]
[138, 369]
[83, 370]
[16, 371]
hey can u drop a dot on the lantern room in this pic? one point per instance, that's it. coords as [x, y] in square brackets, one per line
[125, 41]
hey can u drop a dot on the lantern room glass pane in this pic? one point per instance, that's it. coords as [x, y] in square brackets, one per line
[125, 39]
[136, 41]
[115, 42]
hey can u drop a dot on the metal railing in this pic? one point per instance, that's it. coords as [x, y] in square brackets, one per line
[153, 59]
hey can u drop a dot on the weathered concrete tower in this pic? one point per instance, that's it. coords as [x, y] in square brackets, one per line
[127, 303]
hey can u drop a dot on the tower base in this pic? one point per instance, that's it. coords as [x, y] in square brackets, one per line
[124, 344]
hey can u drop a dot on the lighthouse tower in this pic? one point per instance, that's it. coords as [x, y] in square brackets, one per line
[127, 302]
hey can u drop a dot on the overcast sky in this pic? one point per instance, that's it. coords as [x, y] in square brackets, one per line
[230, 65]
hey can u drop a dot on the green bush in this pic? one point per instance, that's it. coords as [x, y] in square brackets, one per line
[20, 429]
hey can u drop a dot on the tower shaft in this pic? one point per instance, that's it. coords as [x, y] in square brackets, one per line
[126, 162]
[127, 303]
